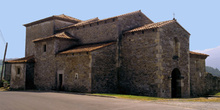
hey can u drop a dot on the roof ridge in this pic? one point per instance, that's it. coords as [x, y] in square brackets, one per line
[60, 17]
[151, 26]
[126, 14]
[86, 47]
[198, 53]
[82, 23]
[67, 17]
[62, 35]
[28, 59]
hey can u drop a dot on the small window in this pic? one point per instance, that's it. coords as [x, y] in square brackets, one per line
[113, 19]
[76, 75]
[45, 48]
[18, 70]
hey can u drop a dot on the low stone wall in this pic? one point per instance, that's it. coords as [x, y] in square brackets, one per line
[212, 84]
[205, 85]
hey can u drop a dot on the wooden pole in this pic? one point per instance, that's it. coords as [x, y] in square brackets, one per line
[3, 62]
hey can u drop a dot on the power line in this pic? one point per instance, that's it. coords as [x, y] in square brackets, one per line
[1, 35]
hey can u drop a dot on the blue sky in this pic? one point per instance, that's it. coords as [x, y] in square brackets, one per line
[199, 17]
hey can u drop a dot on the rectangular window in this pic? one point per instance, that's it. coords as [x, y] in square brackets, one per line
[18, 70]
[45, 48]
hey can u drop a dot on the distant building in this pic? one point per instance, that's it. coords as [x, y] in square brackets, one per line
[123, 54]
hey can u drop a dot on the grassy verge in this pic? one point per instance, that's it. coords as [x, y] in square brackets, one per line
[146, 98]
[218, 94]
[4, 89]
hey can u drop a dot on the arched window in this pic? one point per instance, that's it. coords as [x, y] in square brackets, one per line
[176, 47]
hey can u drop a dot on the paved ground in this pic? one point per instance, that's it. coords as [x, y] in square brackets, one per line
[64, 101]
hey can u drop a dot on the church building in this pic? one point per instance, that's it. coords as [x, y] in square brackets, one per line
[127, 54]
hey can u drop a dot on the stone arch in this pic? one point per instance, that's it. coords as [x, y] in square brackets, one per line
[176, 83]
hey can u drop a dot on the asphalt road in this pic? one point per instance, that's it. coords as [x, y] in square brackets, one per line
[66, 101]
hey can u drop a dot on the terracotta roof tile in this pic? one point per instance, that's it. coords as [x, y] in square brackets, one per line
[82, 23]
[152, 26]
[62, 35]
[67, 17]
[95, 19]
[29, 59]
[196, 53]
[86, 48]
[60, 17]
[128, 14]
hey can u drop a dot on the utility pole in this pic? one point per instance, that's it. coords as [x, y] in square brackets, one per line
[3, 62]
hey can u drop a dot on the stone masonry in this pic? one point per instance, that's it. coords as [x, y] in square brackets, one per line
[127, 54]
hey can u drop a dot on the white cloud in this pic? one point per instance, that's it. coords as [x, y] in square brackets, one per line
[214, 56]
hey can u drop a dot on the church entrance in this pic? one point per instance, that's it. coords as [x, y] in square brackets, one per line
[60, 83]
[176, 83]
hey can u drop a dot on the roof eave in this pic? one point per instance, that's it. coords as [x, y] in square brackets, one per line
[53, 38]
[47, 19]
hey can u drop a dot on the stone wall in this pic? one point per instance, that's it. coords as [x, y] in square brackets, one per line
[201, 83]
[18, 78]
[76, 71]
[7, 76]
[60, 24]
[212, 84]
[63, 44]
[97, 32]
[45, 69]
[173, 52]
[104, 75]
[131, 21]
[37, 31]
[138, 70]
[45, 63]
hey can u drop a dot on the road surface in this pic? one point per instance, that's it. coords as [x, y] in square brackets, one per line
[11, 100]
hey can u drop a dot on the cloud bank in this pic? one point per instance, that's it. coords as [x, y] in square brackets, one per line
[214, 56]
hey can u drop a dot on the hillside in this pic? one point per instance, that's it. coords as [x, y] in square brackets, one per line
[214, 71]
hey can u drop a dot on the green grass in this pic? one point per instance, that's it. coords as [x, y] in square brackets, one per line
[146, 98]
[217, 94]
[4, 89]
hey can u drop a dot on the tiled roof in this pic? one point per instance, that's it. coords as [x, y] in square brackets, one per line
[62, 35]
[196, 53]
[87, 21]
[152, 26]
[97, 20]
[82, 23]
[128, 14]
[86, 48]
[67, 17]
[29, 59]
[60, 17]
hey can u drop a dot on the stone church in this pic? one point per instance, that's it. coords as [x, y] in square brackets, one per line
[128, 54]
